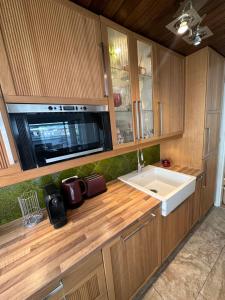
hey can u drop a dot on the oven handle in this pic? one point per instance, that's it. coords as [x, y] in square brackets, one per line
[62, 157]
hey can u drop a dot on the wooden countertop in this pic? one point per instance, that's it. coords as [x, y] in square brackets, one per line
[32, 258]
[181, 169]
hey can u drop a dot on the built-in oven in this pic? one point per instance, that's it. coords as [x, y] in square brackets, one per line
[46, 134]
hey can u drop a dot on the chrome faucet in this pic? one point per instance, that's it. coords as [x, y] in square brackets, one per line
[140, 159]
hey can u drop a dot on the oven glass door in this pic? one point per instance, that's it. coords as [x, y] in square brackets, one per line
[65, 135]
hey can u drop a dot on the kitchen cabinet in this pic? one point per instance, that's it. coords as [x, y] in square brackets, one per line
[211, 138]
[175, 226]
[9, 163]
[170, 90]
[130, 259]
[195, 202]
[55, 50]
[215, 80]
[87, 282]
[121, 89]
[131, 86]
[209, 179]
[198, 148]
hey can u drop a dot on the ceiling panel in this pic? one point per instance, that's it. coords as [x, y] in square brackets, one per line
[149, 18]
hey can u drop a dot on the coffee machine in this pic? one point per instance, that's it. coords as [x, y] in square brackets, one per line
[55, 206]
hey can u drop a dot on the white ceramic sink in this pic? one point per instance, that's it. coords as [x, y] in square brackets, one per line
[170, 187]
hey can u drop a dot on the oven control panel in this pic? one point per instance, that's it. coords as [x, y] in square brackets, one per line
[51, 108]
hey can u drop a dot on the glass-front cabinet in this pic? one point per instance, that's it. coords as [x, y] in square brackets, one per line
[145, 89]
[121, 85]
[130, 82]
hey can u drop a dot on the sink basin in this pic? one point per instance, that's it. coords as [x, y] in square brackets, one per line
[170, 187]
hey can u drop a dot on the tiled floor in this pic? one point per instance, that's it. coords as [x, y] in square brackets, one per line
[198, 270]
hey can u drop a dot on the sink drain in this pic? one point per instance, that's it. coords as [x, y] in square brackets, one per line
[154, 191]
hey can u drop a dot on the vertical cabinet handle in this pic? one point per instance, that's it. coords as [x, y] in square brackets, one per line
[106, 84]
[208, 140]
[160, 117]
[137, 120]
[55, 291]
[141, 117]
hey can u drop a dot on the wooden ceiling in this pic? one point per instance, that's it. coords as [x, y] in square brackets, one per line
[149, 18]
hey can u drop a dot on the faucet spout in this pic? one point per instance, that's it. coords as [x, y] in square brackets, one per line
[140, 159]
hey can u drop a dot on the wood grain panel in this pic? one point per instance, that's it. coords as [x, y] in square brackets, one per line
[170, 81]
[209, 183]
[181, 151]
[212, 131]
[133, 258]
[195, 203]
[3, 155]
[215, 81]
[174, 228]
[55, 49]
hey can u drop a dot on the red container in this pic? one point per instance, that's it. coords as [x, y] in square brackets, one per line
[95, 185]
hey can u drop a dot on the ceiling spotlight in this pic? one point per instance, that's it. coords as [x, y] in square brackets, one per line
[197, 40]
[183, 26]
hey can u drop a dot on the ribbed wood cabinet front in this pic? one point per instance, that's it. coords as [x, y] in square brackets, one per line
[86, 282]
[53, 48]
[130, 260]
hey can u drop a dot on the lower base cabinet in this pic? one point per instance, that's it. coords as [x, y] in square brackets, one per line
[133, 257]
[87, 282]
[209, 183]
[195, 203]
[123, 266]
[174, 228]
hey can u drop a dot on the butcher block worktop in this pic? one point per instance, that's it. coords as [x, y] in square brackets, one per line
[32, 258]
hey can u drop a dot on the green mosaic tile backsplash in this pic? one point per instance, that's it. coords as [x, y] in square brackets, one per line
[110, 168]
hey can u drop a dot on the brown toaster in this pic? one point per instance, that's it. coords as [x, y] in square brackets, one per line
[95, 185]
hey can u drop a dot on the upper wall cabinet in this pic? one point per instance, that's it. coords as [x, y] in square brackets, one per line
[129, 61]
[214, 81]
[9, 163]
[53, 49]
[170, 90]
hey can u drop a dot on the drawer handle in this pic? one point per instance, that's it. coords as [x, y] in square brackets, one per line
[56, 290]
[133, 233]
[139, 228]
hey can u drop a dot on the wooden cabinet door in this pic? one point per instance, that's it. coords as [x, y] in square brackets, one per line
[209, 182]
[215, 81]
[133, 258]
[174, 228]
[8, 157]
[194, 203]
[86, 282]
[123, 109]
[170, 81]
[212, 131]
[53, 48]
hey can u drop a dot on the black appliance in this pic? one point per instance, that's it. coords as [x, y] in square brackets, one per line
[55, 206]
[46, 134]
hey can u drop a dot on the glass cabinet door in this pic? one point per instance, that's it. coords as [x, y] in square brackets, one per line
[144, 52]
[121, 85]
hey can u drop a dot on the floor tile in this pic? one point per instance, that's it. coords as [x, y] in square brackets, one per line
[201, 297]
[206, 243]
[183, 279]
[152, 294]
[214, 287]
[216, 218]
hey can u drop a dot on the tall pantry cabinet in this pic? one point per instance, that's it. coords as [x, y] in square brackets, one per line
[198, 147]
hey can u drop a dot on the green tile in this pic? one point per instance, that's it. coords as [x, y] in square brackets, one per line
[110, 168]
